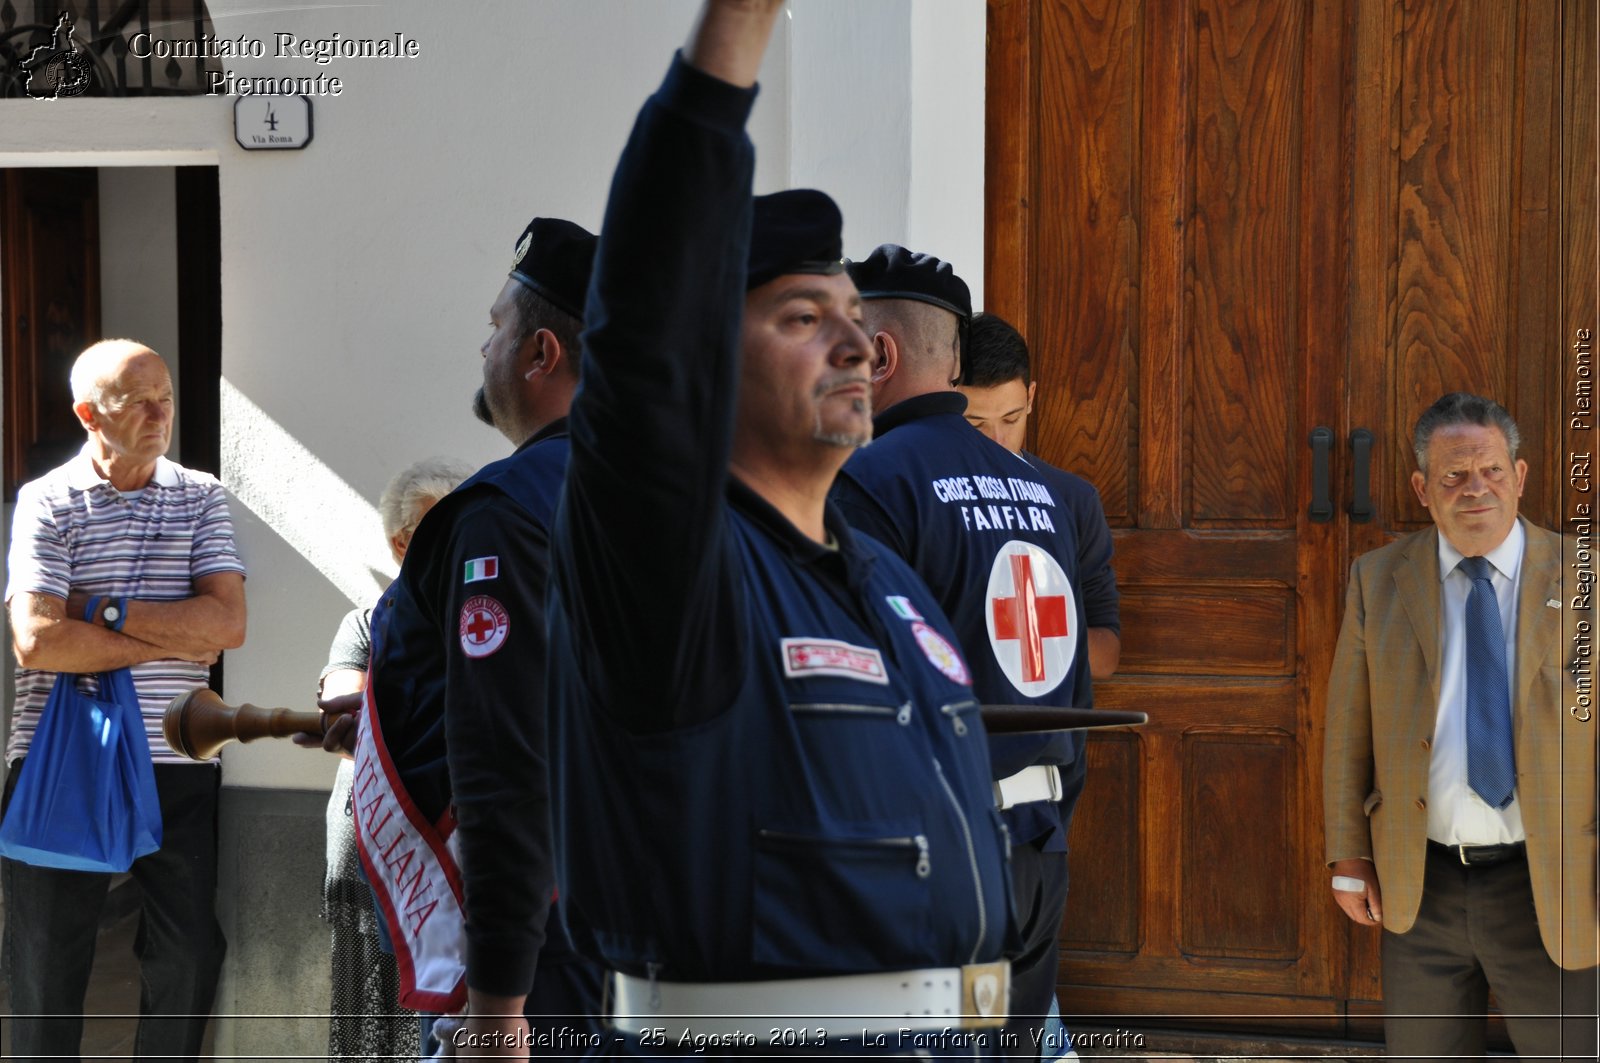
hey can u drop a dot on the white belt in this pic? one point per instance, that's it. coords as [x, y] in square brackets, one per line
[971, 997]
[1041, 782]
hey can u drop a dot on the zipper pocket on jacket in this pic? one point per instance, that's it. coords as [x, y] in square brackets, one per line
[901, 714]
[917, 843]
[954, 710]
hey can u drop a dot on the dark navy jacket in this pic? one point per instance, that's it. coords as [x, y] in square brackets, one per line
[485, 756]
[963, 511]
[767, 756]
[1101, 601]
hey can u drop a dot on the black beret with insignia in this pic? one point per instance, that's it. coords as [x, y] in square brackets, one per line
[798, 231]
[892, 272]
[554, 258]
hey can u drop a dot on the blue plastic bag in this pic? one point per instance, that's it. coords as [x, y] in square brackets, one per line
[87, 799]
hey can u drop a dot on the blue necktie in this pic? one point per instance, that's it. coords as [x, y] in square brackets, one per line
[1491, 767]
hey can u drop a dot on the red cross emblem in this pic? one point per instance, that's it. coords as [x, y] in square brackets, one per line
[484, 626]
[1031, 607]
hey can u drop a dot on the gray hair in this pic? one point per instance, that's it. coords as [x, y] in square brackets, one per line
[1462, 407]
[416, 487]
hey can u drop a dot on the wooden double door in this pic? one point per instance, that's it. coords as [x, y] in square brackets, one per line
[1248, 243]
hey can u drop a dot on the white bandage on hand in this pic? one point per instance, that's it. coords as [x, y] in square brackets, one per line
[1349, 884]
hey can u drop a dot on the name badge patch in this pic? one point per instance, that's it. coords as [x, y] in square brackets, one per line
[813, 657]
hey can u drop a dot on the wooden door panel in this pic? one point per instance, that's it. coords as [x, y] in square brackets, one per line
[1466, 192]
[1580, 213]
[1239, 798]
[1208, 628]
[1535, 308]
[1213, 799]
[1156, 219]
[1088, 245]
[1177, 705]
[1455, 256]
[1220, 223]
[49, 236]
[1107, 881]
[1176, 556]
[1242, 224]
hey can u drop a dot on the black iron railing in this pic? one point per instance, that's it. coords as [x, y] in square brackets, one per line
[62, 48]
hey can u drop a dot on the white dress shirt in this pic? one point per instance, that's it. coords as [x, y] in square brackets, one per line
[1456, 814]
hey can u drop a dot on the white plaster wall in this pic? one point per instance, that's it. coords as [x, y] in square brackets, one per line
[357, 273]
[948, 53]
[886, 114]
[850, 113]
[139, 263]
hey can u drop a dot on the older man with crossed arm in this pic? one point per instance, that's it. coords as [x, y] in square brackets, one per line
[152, 543]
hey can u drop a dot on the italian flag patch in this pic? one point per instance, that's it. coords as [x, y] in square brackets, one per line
[903, 608]
[481, 568]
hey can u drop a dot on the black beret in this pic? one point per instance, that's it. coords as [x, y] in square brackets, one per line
[554, 258]
[892, 272]
[798, 231]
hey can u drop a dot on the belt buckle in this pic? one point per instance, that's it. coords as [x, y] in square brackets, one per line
[985, 994]
[1461, 851]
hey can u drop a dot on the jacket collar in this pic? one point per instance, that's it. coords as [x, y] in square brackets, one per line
[917, 407]
[1538, 625]
[795, 543]
[557, 427]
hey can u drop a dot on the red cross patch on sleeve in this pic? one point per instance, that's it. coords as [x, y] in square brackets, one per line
[484, 626]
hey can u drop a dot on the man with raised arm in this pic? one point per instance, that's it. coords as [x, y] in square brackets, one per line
[774, 822]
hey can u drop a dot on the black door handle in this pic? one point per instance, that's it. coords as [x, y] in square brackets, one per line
[1361, 476]
[1321, 509]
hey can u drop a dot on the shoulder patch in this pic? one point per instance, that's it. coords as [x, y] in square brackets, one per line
[941, 654]
[484, 626]
[808, 657]
[902, 607]
[482, 568]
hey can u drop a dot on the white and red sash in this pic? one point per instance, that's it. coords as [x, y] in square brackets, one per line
[412, 866]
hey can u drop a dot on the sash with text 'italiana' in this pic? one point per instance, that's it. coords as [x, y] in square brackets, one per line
[412, 866]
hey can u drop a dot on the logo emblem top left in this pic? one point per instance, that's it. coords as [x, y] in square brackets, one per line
[61, 68]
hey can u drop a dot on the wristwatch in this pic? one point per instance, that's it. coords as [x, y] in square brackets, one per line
[115, 614]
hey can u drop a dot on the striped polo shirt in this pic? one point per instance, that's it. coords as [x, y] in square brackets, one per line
[74, 531]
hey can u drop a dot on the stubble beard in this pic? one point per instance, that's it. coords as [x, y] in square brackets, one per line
[847, 440]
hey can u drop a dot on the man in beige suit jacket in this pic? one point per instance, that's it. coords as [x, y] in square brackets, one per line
[1471, 897]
